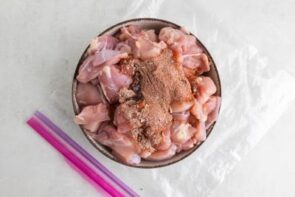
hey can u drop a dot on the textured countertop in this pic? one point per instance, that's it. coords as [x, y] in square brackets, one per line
[41, 40]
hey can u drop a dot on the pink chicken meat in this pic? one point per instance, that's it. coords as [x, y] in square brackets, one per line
[143, 94]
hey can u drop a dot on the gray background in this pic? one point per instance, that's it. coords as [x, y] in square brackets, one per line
[38, 37]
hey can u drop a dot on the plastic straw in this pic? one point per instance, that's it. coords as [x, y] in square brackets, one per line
[68, 154]
[84, 153]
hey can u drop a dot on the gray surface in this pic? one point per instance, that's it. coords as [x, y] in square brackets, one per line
[38, 38]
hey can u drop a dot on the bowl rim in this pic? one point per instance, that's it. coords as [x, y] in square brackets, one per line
[208, 131]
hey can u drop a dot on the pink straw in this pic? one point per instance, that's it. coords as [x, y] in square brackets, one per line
[79, 149]
[68, 154]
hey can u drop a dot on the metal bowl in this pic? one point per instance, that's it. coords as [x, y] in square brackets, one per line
[157, 24]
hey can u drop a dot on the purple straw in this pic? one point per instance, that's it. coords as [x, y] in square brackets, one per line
[68, 154]
[83, 152]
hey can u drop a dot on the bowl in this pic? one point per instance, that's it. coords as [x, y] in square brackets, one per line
[157, 24]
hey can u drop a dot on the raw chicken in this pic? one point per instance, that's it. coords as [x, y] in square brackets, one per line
[143, 43]
[185, 146]
[179, 41]
[108, 57]
[212, 103]
[108, 135]
[207, 111]
[185, 47]
[87, 71]
[171, 36]
[181, 116]
[100, 52]
[203, 87]
[121, 122]
[111, 81]
[146, 49]
[92, 115]
[152, 87]
[198, 62]
[162, 155]
[181, 107]
[182, 132]
[200, 135]
[93, 64]
[87, 94]
[198, 111]
[213, 113]
[102, 42]
[122, 147]
[131, 31]
[151, 35]
[94, 81]
[123, 47]
[127, 155]
[166, 140]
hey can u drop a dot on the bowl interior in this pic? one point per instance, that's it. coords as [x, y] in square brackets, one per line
[157, 24]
